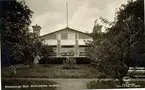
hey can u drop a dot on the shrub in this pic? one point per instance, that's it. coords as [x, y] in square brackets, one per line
[51, 60]
[12, 71]
[102, 76]
[69, 63]
[82, 60]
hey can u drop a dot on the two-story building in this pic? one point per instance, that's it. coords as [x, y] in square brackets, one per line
[66, 42]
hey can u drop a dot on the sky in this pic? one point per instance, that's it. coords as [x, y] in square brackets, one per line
[51, 14]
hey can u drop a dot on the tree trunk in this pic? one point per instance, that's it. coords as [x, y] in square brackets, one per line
[121, 81]
[31, 63]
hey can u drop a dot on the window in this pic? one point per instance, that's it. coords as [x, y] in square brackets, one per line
[67, 51]
[64, 36]
[51, 36]
[82, 51]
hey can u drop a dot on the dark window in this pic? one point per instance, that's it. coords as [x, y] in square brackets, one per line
[67, 51]
[64, 36]
[51, 36]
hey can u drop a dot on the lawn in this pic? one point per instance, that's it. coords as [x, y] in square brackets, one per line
[27, 85]
[115, 84]
[53, 71]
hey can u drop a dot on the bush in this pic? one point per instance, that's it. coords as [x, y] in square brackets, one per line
[69, 63]
[54, 60]
[82, 60]
[12, 71]
[102, 76]
[51, 60]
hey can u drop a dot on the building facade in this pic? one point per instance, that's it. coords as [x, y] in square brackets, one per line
[66, 42]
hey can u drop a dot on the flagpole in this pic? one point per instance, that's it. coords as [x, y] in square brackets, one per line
[67, 14]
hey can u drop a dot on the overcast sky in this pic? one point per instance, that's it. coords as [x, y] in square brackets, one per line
[51, 14]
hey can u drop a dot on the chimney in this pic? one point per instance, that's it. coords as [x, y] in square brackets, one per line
[36, 29]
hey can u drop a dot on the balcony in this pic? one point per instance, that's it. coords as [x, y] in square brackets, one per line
[82, 54]
[67, 54]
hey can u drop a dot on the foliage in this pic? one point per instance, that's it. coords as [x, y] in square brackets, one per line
[69, 63]
[128, 30]
[49, 60]
[14, 19]
[12, 71]
[35, 47]
[17, 42]
[107, 58]
[113, 52]
[46, 52]
[31, 48]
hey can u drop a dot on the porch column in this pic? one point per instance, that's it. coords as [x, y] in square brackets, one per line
[76, 48]
[58, 48]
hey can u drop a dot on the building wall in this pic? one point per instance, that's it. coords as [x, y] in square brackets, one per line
[67, 41]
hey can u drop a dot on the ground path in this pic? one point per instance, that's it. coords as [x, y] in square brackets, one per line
[68, 84]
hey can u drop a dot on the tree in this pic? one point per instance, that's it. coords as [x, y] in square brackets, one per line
[31, 48]
[46, 52]
[17, 42]
[113, 52]
[129, 28]
[107, 58]
[14, 19]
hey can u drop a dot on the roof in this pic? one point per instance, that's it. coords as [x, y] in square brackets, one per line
[64, 29]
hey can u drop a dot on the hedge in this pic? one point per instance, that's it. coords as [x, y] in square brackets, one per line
[81, 60]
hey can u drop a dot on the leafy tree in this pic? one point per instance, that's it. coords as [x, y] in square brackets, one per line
[31, 48]
[46, 52]
[113, 52]
[17, 42]
[14, 19]
[106, 57]
[129, 30]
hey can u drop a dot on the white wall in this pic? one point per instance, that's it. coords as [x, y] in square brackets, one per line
[67, 42]
[71, 38]
[51, 42]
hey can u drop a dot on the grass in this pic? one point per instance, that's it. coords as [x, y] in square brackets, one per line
[115, 84]
[53, 71]
[100, 85]
[47, 85]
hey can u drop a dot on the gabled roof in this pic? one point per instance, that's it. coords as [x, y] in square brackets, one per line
[65, 29]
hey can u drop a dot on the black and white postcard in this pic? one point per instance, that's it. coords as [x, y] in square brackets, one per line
[72, 44]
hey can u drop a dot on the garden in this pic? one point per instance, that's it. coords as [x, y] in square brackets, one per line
[52, 71]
